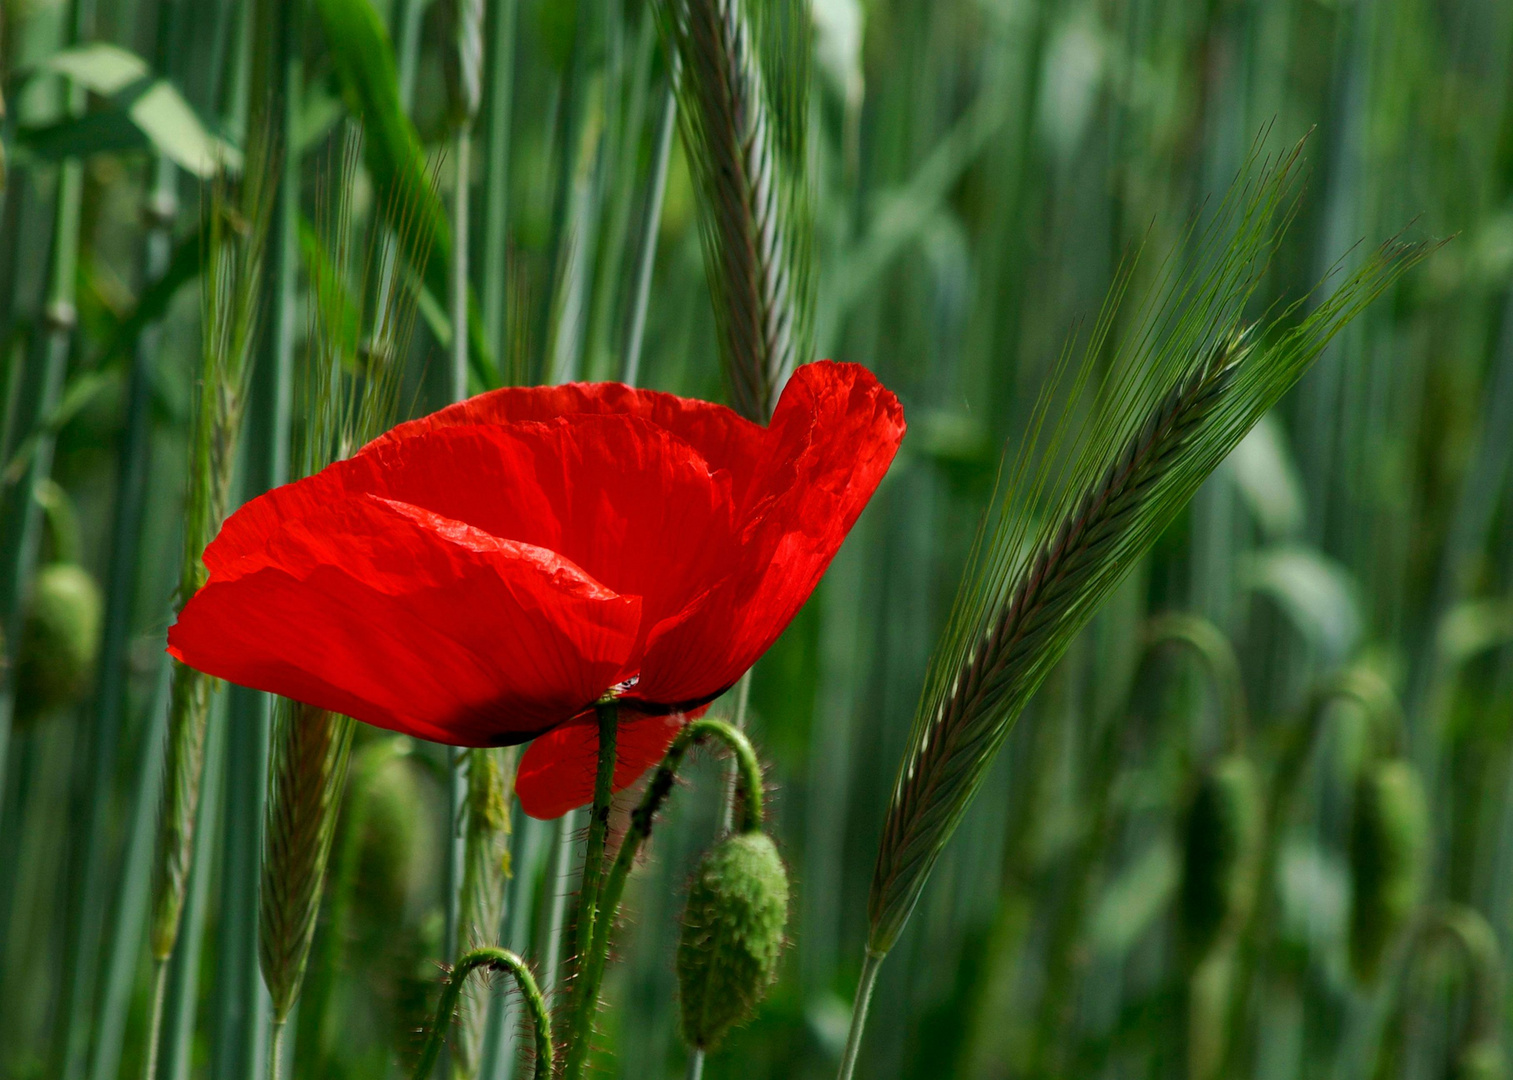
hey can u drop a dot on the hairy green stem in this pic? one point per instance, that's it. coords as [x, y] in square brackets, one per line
[583, 1002]
[859, 1009]
[591, 971]
[493, 959]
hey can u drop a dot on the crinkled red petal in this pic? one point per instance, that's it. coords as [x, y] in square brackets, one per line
[631, 504]
[832, 438]
[402, 618]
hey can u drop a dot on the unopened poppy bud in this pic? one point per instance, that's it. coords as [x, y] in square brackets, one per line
[1481, 1060]
[1221, 844]
[1389, 839]
[732, 935]
[60, 642]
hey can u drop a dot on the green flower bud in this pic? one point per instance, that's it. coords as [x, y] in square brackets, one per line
[60, 642]
[1481, 1060]
[732, 935]
[1222, 843]
[1389, 841]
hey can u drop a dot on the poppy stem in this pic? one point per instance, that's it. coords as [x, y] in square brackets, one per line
[583, 1001]
[493, 959]
[591, 974]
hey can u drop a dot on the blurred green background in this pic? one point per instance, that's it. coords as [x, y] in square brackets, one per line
[981, 168]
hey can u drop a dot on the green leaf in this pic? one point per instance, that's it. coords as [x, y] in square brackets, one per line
[167, 119]
[144, 111]
[1267, 477]
[364, 61]
[1316, 592]
[99, 66]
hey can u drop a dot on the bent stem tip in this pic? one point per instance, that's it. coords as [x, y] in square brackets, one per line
[491, 958]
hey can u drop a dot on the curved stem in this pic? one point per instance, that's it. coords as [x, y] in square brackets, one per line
[1217, 655]
[493, 959]
[591, 974]
[859, 1009]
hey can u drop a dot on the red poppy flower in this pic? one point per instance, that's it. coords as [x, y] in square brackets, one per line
[483, 575]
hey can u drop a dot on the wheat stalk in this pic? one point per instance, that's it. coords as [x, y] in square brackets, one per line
[754, 210]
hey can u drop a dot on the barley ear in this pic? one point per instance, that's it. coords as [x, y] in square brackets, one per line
[743, 92]
[311, 752]
[1090, 492]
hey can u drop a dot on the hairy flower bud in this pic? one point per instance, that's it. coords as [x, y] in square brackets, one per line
[732, 935]
[60, 642]
[1222, 841]
[1389, 839]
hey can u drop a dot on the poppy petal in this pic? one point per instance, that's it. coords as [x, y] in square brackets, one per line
[631, 504]
[725, 439]
[557, 771]
[834, 434]
[404, 619]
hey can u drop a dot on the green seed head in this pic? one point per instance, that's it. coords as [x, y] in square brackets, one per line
[1481, 1060]
[60, 642]
[732, 936]
[1221, 844]
[1389, 839]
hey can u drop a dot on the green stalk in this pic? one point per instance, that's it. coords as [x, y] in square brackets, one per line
[499, 71]
[275, 94]
[463, 149]
[135, 891]
[21, 520]
[870, 966]
[181, 972]
[583, 1000]
[498, 1059]
[110, 696]
[662, 153]
[592, 958]
[491, 959]
[562, 859]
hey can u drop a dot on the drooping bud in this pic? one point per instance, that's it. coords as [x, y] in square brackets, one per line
[60, 642]
[732, 936]
[1389, 840]
[1222, 843]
